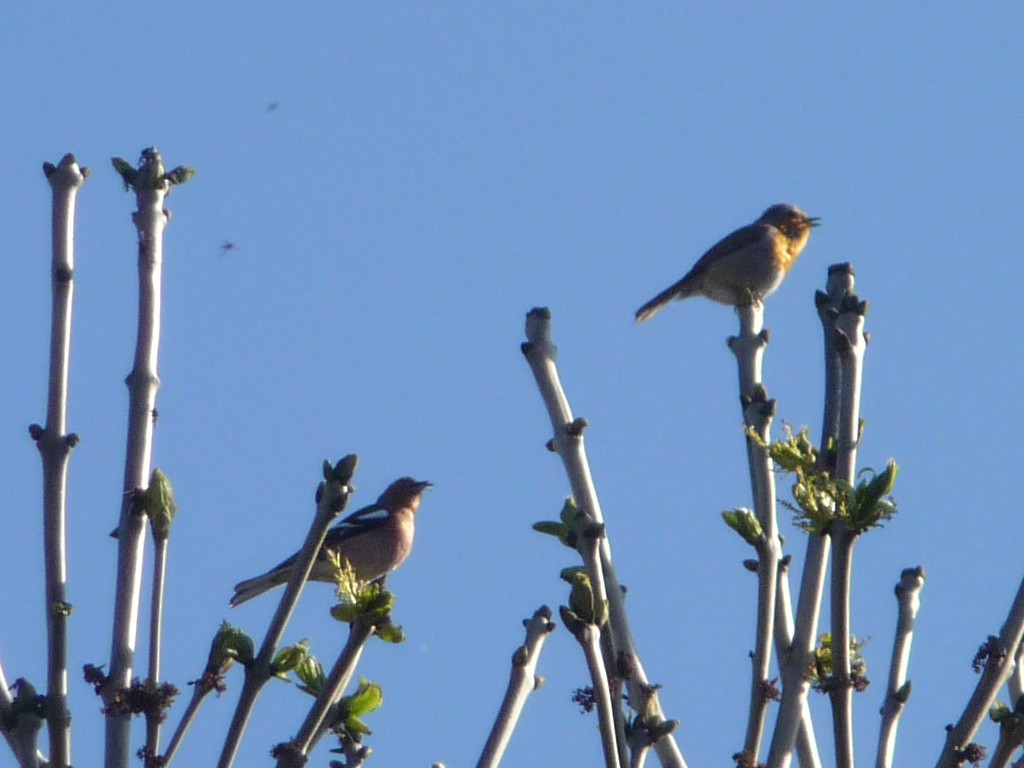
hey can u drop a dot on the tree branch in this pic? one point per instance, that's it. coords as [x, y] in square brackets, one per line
[541, 354]
[523, 681]
[55, 446]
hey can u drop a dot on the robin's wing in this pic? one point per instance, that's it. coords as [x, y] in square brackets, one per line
[737, 241]
[690, 283]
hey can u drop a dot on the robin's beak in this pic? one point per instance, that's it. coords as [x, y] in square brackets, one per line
[814, 221]
[423, 485]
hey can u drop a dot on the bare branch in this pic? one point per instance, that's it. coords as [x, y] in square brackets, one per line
[541, 354]
[898, 689]
[522, 682]
[758, 411]
[996, 659]
[151, 187]
[55, 446]
[332, 497]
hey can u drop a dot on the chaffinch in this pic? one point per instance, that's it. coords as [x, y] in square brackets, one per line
[748, 264]
[374, 540]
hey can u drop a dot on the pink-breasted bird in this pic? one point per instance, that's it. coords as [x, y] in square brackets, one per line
[748, 264]
[375, 540]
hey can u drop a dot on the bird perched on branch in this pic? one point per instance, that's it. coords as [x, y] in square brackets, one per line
[374, 540]
[747, 265]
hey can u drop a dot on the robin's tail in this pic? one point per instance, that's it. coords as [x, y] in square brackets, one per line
[679, 290]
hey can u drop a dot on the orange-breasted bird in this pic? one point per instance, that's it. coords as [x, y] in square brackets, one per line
[748, 264]
[375, 540]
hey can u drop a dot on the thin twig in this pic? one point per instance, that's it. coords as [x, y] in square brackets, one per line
[522, 682]
[154, 721]
[229, 645]
[998, 665]
[332, 498]
[143, 382]
[758, 411]
[313, 727]
[850, 343]
[798, 656]
[541, 354]
[55, 446]
[589, 639]
[199, 693]
[898, 689]
[806, 746]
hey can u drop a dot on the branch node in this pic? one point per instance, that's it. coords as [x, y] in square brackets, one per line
[576, 427]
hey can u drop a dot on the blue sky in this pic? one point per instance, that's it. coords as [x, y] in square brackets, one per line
[430, 173]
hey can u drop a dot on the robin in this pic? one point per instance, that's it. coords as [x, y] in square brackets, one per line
[374, 540]
[747, 265]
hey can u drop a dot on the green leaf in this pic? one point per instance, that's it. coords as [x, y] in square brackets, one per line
[998, 712]
[367, 698]
[288, 659]
[355, 725]
[746, 524]
[127, 171]
[581, 597]
[236, 643]
[311, 675]
[870, 507]
[158, 503]
[569, 574]
[570, 513]
[151, 168]
[229, 645]
[390, 633]
[345, 613]
[559, 530]
[572, 622]
[845, 496]
[180, 175]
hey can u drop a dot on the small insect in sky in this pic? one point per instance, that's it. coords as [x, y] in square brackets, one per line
[273, 106]
[226, 247]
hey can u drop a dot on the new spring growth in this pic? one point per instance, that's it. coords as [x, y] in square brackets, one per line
[288, 659]
[1010, 721]
[311, 676]
[649, 718]
[229, 645]
[820, 498]
[822, 671]
[569, 527]
[150, 171]
[583, 606]
[353, 708]
[744, 522]
[371, 605]
[157, 502]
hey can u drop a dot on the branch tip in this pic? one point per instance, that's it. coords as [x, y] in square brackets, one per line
[844, 267]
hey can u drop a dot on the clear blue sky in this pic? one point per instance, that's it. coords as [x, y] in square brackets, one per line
[432, 171]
